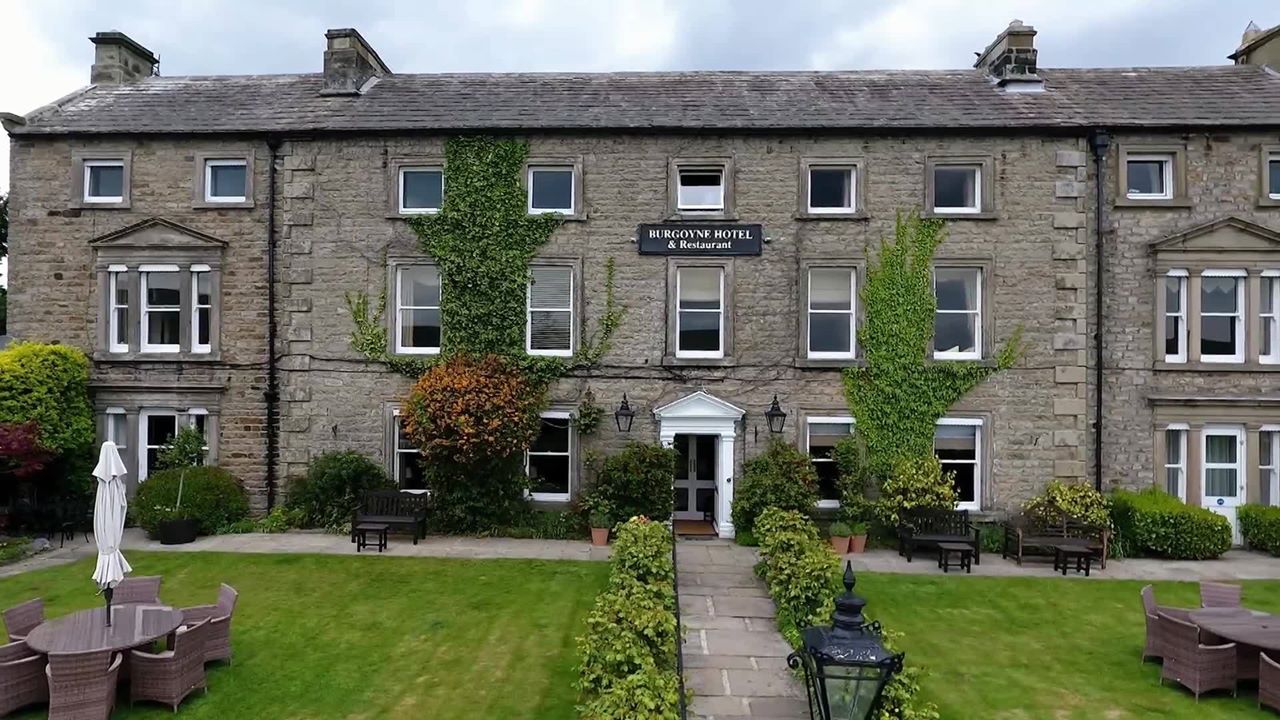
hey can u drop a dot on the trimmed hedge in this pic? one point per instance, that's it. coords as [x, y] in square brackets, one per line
[803, 576]
[627, 658]
[210, 495]
[1153, 522]
[1260, 525]
[780, 477]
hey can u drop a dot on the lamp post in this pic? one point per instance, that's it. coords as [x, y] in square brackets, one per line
[846, 666]
[775, 416]
[624, 415]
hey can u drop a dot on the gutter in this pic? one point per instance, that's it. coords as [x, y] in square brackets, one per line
[1099, 142]
[272, 394]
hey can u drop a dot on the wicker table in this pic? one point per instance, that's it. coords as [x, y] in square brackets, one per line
[131, 626]
[1249, 629]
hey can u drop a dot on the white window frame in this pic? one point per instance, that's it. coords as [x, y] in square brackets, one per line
[681, 206]
[554, 497]
[89, 165]
[211, 163]
[1183, 329]
[976, 353]
[1272, 192]
[978, 478]
[144, 440]
[1240, 277]
[530, 309]
[1166, 161]
[397, 451]
[196, 307]
[1237, 432]
[399, 324]
[405, 209]
[573, 189]
[819, 420]
[699, 354]
[977, 189]
[145, 310]
[1270, 317]
[118, 435]
[1182, 430]
[1270, 435]
[851, 173]
[117, 274]
[852, 312]
[192, 414]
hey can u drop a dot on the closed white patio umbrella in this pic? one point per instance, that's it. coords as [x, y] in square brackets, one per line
[108, 521]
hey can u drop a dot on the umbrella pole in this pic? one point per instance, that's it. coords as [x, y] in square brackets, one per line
[108, 592]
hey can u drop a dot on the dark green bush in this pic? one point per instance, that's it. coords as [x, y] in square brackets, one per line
[1153, 522]
[636, 482]
[780, 477]
[210, 495]
[333, 488]
[1260, 525]
[49, 384]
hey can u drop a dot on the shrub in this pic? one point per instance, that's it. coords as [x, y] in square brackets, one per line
[635, 482]
[333, 487]
[1260, 525]
[1078, 500]
[211, 496]
[49, 385]
[186, 449]
[916, 484]
[21, 454]
[1152, 522]
[642, 550]
[645, 695]
[780, 477]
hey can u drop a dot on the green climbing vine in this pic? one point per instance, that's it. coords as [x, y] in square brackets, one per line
[483, 240]
[901, 391]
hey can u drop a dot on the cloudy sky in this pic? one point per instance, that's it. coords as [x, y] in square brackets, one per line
[48, 54]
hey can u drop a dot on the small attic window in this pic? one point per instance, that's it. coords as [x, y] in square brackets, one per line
[104, 181]
[1150, 177]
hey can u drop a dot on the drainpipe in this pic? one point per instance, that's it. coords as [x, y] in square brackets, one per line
[272, 394]
[1099, 141]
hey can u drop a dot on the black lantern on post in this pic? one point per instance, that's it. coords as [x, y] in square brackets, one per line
[776, 417]
[624, 415]
[846, 666]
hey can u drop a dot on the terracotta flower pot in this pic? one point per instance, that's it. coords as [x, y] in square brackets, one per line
[599, 536]
[858, 543]
[840, 543]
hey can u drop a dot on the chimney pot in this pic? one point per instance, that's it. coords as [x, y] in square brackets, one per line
[119, 59]
[1010, 59]
[349, 63]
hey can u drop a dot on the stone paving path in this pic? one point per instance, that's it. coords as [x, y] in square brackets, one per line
[735, 660]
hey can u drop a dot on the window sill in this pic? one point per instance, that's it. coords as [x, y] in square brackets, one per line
[983, 362]
[549, 505]
[104, 356]
[210, 205]
[984, 215]
[828, 363]
[1139, 203]
[696, 216]
[414, 355]
[1265, 201]
[1250, 367]
[805, 215]
[576, 217]
[85, 205]
[673, 361]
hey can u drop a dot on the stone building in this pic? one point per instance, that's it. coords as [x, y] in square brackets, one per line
[176, 228]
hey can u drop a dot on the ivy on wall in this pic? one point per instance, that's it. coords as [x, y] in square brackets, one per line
[901, 392]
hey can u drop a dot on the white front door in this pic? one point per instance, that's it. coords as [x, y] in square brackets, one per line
[695, 478]
[1222, 472]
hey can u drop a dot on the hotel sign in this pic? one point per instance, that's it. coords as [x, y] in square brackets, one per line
[700, 239]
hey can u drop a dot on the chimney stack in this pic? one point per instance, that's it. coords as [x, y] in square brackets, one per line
[117, 60]
[1258, 47]
[1010, 59]
[349, 63]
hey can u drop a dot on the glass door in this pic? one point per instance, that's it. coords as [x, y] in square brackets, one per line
[1222, 474]
[695, 479]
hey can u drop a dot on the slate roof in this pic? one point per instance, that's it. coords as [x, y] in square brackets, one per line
[893, 100]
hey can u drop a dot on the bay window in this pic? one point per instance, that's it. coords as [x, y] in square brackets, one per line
[1175, 461]
[118, 309]
[1175, 316]
[161, 308]
[1269, 317]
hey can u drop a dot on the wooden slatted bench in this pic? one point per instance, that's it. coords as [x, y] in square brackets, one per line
[394, 508]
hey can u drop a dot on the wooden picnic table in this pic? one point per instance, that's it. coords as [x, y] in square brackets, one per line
[131, 626]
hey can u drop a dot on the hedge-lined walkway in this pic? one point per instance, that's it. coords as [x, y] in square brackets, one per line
[735, 660]
[1234, 565]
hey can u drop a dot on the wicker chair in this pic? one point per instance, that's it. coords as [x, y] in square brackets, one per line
[82, 686]
[140, 590]
[1154, 647]
[170, 676]
[20, 620]
[1268, 682]
[1195, 666]
[218, 644]
[22, 680]
[1219, 595]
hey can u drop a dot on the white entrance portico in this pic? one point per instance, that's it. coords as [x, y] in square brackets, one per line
[701, 413]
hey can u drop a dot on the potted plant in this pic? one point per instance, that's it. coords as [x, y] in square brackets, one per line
[601, 522]
[185, 450]
[858, 537]
[839, 533]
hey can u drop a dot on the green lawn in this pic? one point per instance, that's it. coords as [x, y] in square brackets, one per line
[1035, 648]
[360, 637]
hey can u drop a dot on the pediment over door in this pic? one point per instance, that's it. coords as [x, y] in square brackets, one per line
[1226, 241]
[700, 404]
